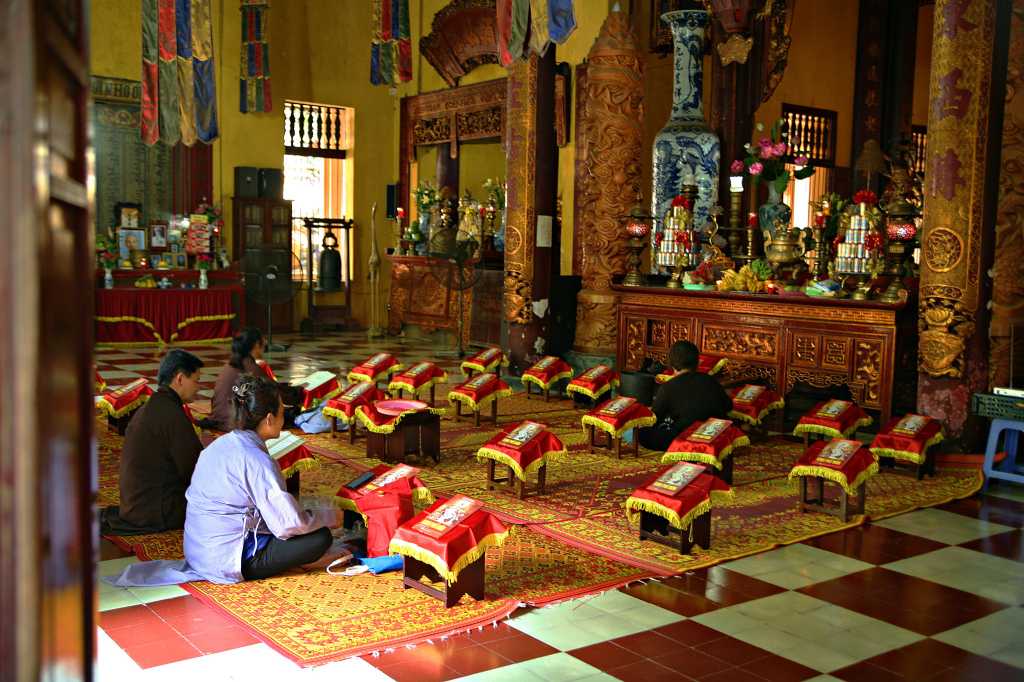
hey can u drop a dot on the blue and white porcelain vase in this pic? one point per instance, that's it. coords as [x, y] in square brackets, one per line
[686, 147]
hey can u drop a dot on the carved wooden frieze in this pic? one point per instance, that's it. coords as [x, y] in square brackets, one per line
[463, 35]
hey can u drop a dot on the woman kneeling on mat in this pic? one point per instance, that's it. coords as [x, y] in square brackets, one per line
[240, 521]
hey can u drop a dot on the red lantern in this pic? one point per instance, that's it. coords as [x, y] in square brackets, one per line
[900, 231]
[637, 228]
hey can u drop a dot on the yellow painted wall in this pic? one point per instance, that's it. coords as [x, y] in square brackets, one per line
[821, 67]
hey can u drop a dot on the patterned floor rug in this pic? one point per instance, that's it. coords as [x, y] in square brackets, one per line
[571, 541]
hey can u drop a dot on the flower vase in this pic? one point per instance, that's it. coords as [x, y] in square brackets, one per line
[203, 282]
[108, 278]
[686, 148]
[422, 246]
[772, 211]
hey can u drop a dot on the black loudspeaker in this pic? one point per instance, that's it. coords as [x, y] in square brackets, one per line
[563, 313]
[392, 201]
[247, 182]
[271, 183]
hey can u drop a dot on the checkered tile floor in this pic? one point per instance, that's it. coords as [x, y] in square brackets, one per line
[936, 594]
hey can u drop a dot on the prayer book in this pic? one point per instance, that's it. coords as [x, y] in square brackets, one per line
[546, 362]
[376, 359]
[447, 516]
[417, 369]
[710, 430]
[488, 355]
[522, 434]
[393, 474]
[594, 372]
[355, 390]
[617, 406]
[910, 425]
[676, 478]
[749, 394]
[837, 452]
[315, 380]
[282, 445]
[479, 381]
[834, 408]
[127, 388]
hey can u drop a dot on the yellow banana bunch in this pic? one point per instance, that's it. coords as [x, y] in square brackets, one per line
[744, 280]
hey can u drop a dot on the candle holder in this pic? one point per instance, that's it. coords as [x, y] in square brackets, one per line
[735, 219]
[752, 253]
[638, 228]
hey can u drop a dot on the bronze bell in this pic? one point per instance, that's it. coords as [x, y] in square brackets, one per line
[330, 264]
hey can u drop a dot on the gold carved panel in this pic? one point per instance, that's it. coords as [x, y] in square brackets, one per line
[657, 333]
[739, 342]
[836, 352]
[634, 343]
[867, 369]
[679, 330]
[805, 350]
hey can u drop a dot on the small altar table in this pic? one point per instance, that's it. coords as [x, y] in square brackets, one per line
[401, 427]
[615, 417]
[850, 475]
[457, 557]
[831, 419]
[686, 514]
[523, 448]
[909, 439]
[384, 509]
[715, 453]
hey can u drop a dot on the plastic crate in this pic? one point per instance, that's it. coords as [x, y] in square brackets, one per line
[997, 406]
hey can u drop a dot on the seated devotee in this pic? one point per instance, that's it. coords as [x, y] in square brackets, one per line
[160, 452]
[241, 522]
[246, 348]
[688, 397]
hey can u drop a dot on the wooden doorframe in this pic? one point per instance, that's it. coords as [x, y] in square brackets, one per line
[47, 599]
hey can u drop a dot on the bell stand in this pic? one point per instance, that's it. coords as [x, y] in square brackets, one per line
[330, 224]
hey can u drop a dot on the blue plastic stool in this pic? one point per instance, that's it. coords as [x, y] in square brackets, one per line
[1008, 470]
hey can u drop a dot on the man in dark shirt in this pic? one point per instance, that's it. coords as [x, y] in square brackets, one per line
[160, 452]
[688, 397]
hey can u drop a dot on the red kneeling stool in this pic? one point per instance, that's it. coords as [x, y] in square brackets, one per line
[909, 439]
[544, 374]
[119, 404]
[419, 377]
[615, 417]
[847, 463]
[594, 383]
[488, 360]
[752, 403]
[710, 442]
[375, 368]
[523, 449]
[477, 393]
[832, 419]
[344, 406]
[676, 501]
[438, 544]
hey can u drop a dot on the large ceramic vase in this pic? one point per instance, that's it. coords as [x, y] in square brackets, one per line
[686, 146]
[775, 210]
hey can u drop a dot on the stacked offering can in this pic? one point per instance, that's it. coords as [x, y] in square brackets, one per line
[852, 254]
[671, 243]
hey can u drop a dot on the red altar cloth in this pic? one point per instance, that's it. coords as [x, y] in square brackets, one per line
[487, 360]
[909, 447]
[546, 371]
[479, 391]
[120, 401]
[526, 457]
[682, 508]
[324, 391]
[706, 364]
[838, 425]
[418, 377]
[618, 415]
[752, 403]
[861, 466]
[299, 459]
[146, 316]
[359, 393]
[384, 509]
[456, 549]
[711, 453]
[594, 382]
[374, 368]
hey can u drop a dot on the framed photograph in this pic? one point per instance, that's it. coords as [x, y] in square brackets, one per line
[181, 261]
[175, 247]
[129, 241]
[158, 236]
[128, 215]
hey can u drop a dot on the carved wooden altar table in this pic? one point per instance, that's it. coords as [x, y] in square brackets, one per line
[424, 292]
[779, 340]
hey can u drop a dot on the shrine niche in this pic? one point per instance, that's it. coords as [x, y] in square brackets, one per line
[462, 37]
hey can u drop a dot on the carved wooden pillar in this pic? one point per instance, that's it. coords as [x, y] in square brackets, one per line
[612, 135]
[964, 128]
[531, 173]
[1008, 271]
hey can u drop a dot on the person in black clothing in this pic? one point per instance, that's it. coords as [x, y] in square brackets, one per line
[160, 452]
[688, 397]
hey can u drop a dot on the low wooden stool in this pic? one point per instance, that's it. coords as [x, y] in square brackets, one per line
[344, 406]
[523, 449]
[418, 377]
[615, 417]
[908, 440]
[476, 393]
[464, 571]
[396, 428]
[846, 463]
[831, 419]
[545, 374]
[711, 442]
[675, 516]
[594, 384]
[487, 360]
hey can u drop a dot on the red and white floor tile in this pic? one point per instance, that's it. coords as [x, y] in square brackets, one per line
[936, 594]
